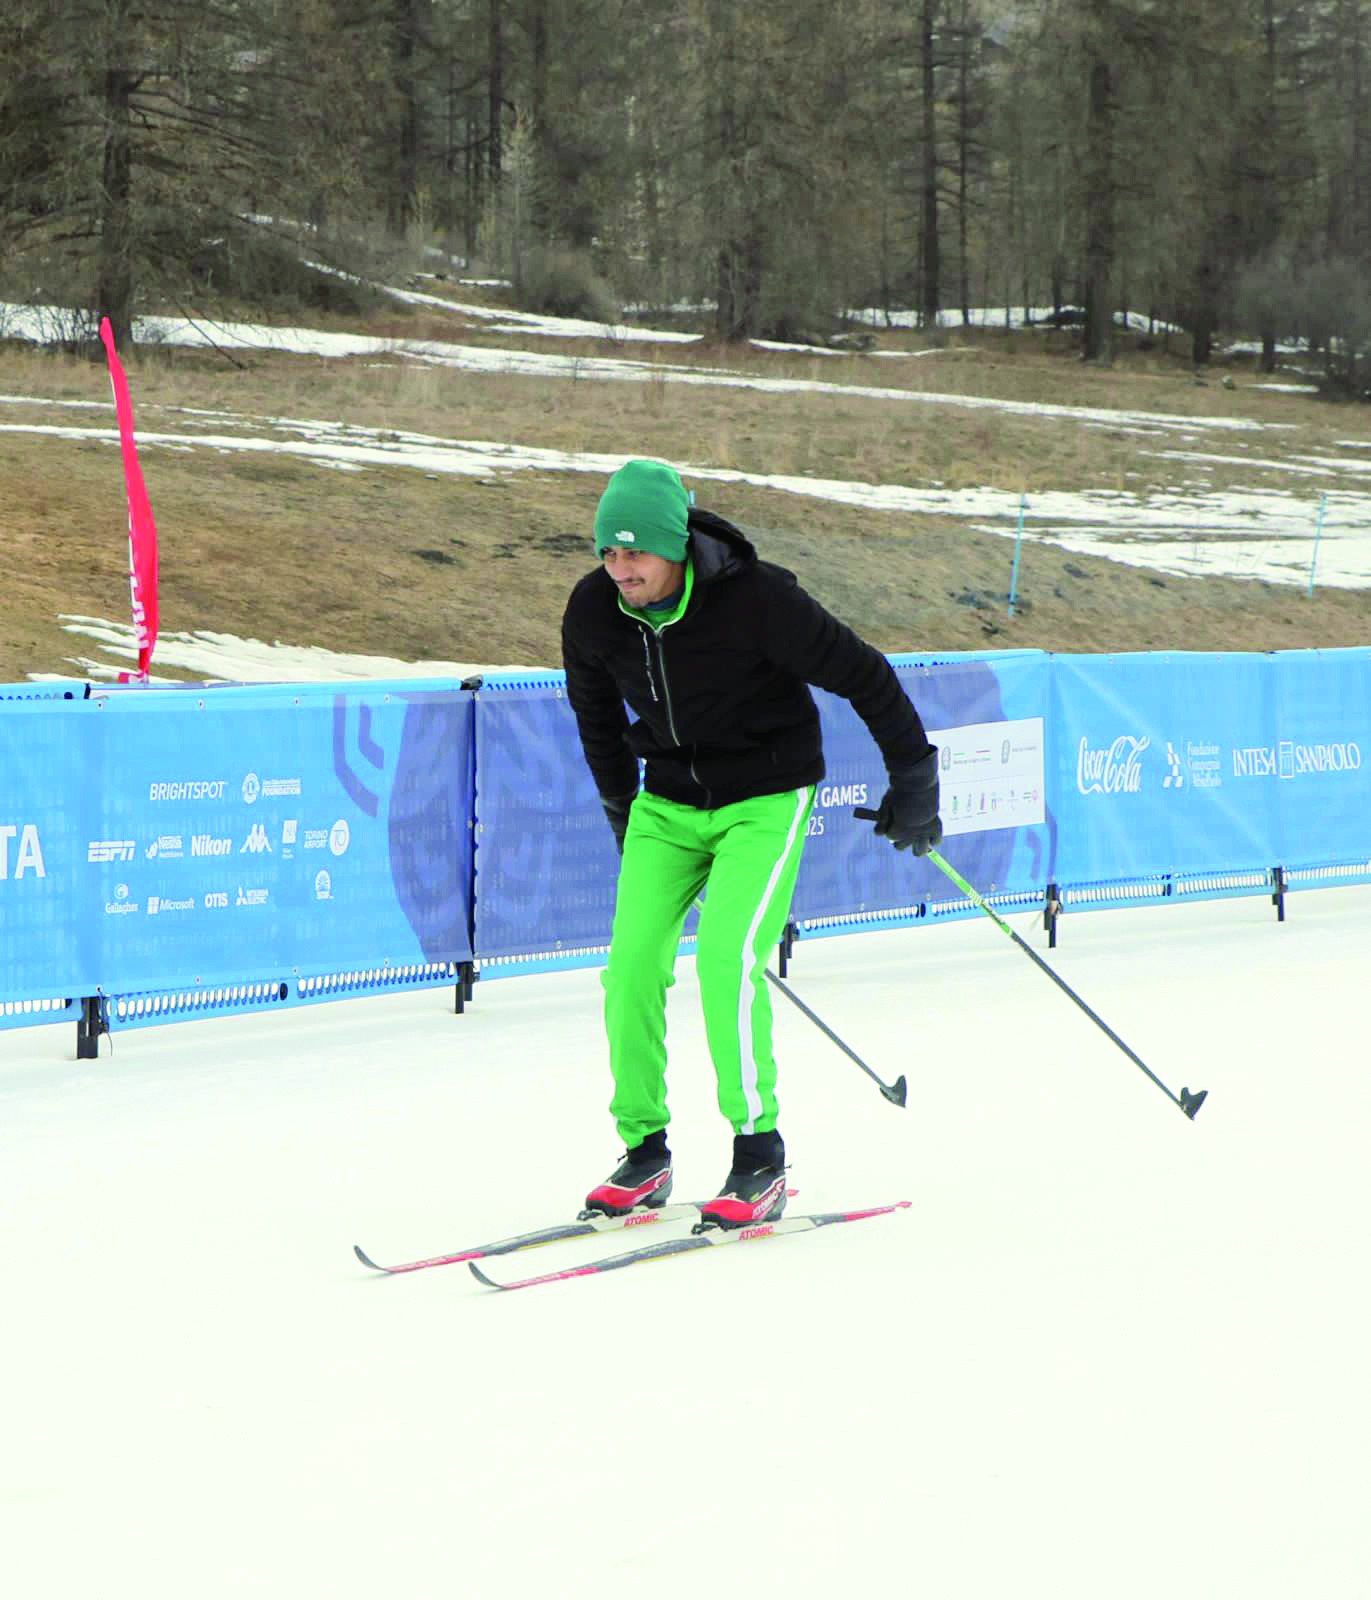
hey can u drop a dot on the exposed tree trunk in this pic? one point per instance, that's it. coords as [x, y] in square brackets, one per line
[964, 163]
[402, 196]
[1267, 360]
[1099, 214]
[474, 184]
[1268, 199]
[495, 92]
[1359, 223]
[539, 116]
[739, 293]
[1204, 317]
[930, 255]
[114, 287]
[740, 258]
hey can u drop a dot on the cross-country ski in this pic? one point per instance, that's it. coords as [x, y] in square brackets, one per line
[583, 1227]
[700, 1238]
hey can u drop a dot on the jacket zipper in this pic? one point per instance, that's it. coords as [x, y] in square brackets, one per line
[647, 663]
[666, 699]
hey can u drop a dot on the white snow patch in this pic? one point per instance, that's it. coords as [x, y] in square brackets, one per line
[1108, 1352]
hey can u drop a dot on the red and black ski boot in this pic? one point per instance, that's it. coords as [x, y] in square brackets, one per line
[641, 1181]
[754, 1190]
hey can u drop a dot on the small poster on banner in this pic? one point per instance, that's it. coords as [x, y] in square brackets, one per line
[991, 775]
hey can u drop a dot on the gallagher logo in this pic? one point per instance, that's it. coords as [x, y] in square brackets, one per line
[1116, 769]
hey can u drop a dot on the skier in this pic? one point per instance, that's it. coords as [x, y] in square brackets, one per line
[713, 649]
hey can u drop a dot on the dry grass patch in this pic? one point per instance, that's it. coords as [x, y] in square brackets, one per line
[393, 562]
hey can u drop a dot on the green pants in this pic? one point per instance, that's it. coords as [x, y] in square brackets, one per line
[745, 858]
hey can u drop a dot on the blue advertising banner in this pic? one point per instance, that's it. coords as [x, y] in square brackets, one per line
[49, 945]
[987, 717]
[1143, 776]
[222, 836]
[1318, 756]
[546, 863]
[156, 840]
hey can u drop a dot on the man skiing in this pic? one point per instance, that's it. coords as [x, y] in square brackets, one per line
[714, 650]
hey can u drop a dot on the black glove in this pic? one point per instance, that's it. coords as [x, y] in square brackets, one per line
[909, 808]
[617, 810]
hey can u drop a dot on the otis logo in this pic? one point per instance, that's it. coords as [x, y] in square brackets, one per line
[28, 852]
[215, 900]
[1115, 770]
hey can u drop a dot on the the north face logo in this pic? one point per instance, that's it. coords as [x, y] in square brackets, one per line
[625, 536]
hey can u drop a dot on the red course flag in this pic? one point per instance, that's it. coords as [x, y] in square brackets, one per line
[142, 529]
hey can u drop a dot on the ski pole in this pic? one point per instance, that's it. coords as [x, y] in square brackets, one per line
[896, 1092]
[1189, 1102]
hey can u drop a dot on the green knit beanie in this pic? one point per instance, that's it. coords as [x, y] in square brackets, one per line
[643, 508]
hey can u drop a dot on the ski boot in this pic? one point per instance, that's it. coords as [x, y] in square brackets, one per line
[641, 1181]
[754, 1190]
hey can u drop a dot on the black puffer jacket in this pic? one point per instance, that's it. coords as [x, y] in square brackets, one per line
[721, 695]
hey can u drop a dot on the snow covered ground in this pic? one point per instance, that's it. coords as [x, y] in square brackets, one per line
[1107, 1353]
[224, 656]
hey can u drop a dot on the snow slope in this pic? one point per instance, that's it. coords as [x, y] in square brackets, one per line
[1108, 1352]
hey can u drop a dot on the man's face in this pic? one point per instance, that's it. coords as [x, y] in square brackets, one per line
[642, 577]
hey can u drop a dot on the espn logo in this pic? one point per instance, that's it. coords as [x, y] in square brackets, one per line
[111, 850]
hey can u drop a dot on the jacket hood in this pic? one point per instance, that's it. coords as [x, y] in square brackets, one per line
[718, 549]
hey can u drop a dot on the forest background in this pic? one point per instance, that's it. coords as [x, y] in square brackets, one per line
[1156, 176]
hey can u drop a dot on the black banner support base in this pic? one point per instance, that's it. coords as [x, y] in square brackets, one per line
[89, 1028]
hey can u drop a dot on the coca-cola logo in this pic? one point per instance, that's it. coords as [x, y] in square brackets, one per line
[1115, 769]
